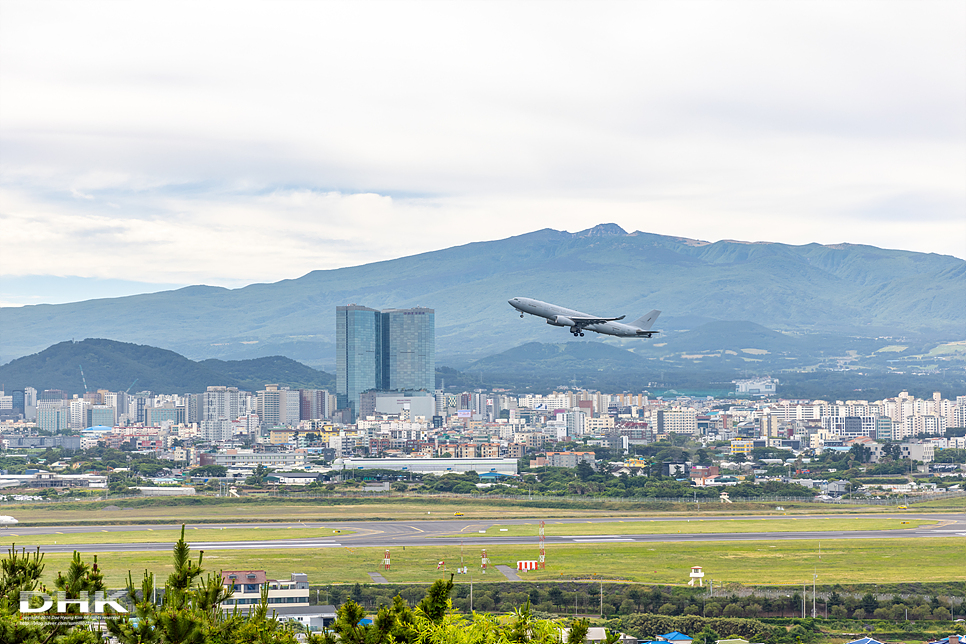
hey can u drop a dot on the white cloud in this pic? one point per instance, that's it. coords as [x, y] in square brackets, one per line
[225, 143]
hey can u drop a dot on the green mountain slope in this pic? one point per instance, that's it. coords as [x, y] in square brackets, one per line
[846, 289]
[116, 365]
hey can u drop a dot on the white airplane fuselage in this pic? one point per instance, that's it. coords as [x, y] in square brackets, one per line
[8, 521]
[576, 320]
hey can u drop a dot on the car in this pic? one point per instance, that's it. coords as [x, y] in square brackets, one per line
[903, 507]
[457, 514]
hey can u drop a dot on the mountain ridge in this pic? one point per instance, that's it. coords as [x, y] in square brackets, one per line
[858, 289]
[118, 366]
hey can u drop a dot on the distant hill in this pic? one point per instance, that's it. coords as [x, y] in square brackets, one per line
[733, 336]
[115, 366]
[842, 290]
[563, 359]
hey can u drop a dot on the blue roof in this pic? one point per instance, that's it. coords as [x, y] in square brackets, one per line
[865, 640]
[675, 635]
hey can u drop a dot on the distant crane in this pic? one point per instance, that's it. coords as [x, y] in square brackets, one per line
[83, 379]
[132, 384]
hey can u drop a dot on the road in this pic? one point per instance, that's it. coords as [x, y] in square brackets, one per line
[385, 534]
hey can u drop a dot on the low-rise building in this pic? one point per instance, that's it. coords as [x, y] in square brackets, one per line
[247, 586]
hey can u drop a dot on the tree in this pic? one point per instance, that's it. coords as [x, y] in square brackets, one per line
[209, 471]
[190, 612]
[258, 476]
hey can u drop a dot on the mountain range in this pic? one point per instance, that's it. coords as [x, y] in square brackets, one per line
[119, 366]
[791, 292]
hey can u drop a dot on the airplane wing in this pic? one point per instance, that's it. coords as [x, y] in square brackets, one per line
[586, 321]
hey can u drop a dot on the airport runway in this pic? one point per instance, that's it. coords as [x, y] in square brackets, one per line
[386, 534]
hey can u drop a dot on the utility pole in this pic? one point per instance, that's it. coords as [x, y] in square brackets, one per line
[814, 577]
[602, 599]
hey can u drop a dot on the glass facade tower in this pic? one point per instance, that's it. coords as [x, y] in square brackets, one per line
[358, 360]
[409, 349]
[392, 350]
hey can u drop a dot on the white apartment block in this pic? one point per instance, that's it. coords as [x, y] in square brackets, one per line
[598, 425]
[678, 420]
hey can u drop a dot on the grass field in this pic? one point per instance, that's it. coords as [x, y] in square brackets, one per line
[957, 503]
[700, 526]
[160, 536]
[213, 510]
[747, 562]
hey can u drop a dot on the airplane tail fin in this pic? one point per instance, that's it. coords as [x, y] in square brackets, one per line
[647, 321]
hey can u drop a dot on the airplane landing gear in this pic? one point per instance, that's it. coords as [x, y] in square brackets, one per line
[521, 315]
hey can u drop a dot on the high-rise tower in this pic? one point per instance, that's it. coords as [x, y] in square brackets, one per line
[358, 360]
[409, 349]
[392, 350]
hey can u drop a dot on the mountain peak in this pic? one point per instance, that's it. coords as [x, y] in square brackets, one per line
[602, 230]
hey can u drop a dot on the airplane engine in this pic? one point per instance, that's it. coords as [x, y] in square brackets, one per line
[560, 320]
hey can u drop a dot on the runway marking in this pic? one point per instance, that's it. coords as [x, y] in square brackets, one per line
[416, 529]
[604, 540]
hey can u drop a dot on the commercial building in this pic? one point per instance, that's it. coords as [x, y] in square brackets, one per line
[430, 465]
[409, 350]
[392, 350]
[247, 586]
[251, 459]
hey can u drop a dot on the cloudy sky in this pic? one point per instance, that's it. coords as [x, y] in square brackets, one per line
[149, 145]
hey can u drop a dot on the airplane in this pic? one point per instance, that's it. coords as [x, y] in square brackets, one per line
[6, 521]
[578, 322]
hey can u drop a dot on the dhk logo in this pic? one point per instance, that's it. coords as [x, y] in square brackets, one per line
[83, 602]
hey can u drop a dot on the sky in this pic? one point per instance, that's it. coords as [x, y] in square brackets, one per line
[149, 145]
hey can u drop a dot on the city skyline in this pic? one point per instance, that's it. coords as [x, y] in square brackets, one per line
[409, 127]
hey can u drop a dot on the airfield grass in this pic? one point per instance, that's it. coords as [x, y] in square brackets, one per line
[217, 510]
[699, 526]
[747, 562]
[652, 526]
[149, 535]
[957, 503]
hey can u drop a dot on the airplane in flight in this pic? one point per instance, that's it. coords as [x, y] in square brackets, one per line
[578, 322]
[6, 521]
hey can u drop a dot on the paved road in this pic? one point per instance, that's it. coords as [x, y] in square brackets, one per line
[384, 534]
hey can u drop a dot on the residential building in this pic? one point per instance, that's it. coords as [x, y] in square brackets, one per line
[679, 420]
[570, 459]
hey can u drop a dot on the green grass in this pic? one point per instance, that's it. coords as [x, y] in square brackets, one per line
[748, 562]
[957, 503]
[218, 510]
[160, 536]
[698, 526]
